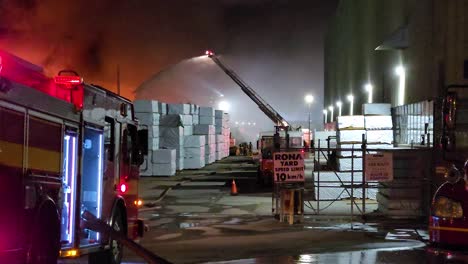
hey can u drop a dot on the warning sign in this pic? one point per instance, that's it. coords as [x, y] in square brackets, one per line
[288, 167]
[379, 167]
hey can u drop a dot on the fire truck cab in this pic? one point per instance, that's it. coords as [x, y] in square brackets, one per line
[65, 147]
[266, 147]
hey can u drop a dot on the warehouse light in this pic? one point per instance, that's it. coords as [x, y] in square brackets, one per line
[351, 103]
[331, 112]
[369, 88]
[325, 112]
[339, 104]
[223, 105]
[400, 71]
[309, 99]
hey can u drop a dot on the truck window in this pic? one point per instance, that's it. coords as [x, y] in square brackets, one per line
[92, 177]
[109, 139]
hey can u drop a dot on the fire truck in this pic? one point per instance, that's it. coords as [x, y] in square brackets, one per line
[280, 139]
[448, 222]
[66, 147]
[293, 140]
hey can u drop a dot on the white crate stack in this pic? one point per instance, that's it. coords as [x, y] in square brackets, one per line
[164, 162]
[222, 131]
[188, 129]
[194, 149]
[206, 128]
[149, 114]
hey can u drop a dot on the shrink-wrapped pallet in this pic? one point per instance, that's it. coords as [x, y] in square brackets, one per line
[188, 130]
[378, 122]
[206, 120]
[206, 111]
[149, 119]
[194, 163]
[163, 156]
[355, 122]
[350, 136]
[376, 109]
[346, 164]
[194, 152]
[196, 119]
[153, 143]
[203, 129]
[171, 137]
[194, 141]
[146, 106]
[170, 121]
[164, 169]
[179, 109]
[380, 137]
[219, 114]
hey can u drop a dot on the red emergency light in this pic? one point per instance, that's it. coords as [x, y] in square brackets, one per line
[68, 80]
[70, 87]
[123, 188]
[209, 53]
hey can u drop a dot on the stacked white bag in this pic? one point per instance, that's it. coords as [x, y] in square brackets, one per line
[222, 134]
[194, 149]
[148, 112]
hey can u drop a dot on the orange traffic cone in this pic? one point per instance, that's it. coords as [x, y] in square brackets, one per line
[233, 188]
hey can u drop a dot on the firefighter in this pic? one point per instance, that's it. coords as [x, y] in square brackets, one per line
[250, 148]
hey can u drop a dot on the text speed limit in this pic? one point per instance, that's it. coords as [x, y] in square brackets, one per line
[288, 167]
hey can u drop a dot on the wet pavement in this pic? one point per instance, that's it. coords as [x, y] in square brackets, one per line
[192, 218]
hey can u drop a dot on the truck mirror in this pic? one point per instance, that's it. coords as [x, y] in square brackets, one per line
[449, 110]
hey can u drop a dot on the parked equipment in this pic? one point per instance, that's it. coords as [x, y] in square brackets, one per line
[448, 222]
[65, 147]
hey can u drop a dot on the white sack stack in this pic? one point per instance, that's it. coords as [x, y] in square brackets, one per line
[206, 116]
[194, 152]
[208, 131]
[164, 162]
[171, 136]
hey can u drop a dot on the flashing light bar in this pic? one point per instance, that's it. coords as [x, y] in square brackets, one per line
[68, 80]
[1, 64]
[209, 53]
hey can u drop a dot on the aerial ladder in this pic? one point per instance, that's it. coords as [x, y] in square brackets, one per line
[261, 103]
[280, 123]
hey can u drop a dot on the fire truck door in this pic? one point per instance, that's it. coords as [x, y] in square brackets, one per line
[92, 177]
[11, 175]
[69, 170]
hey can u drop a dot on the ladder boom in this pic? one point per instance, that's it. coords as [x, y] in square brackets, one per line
[261, 103]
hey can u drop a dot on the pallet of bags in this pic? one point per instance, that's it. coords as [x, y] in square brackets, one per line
[164, 162]
[206, 116]
[194, 152]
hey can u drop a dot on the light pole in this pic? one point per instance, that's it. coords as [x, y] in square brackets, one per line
[339, 104]
[351, 102]
[325, 116]
[400, 71]
[331, 113]
[369, 89]
[309, 99]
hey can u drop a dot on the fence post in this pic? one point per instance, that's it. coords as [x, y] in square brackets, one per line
[364, 147]
[318, 178]
[352, 184]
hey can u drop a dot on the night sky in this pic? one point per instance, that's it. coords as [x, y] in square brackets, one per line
[275, 46]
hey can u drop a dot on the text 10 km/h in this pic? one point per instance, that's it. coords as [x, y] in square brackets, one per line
[283, 177]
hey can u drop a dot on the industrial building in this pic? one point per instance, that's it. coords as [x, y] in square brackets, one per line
[398, 52]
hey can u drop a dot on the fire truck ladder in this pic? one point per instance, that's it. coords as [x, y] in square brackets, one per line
[262, 104]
